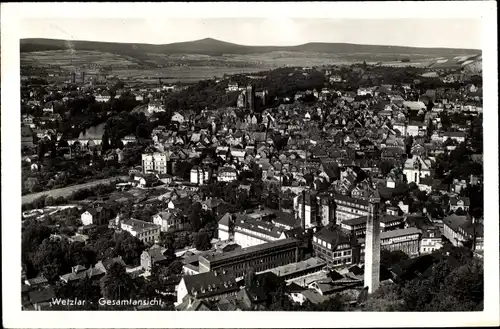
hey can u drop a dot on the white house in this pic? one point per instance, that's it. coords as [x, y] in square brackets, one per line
[227, 174]
[155, 107]
[458, 136]
[144, 231]
[177, 117]
[197, 175]
[166, 220]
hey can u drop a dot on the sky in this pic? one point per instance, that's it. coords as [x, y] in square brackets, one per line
[279, 31]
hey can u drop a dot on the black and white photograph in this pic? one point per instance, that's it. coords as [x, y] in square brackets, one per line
[250, 157]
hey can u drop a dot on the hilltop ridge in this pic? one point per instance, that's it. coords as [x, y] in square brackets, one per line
[211, 46]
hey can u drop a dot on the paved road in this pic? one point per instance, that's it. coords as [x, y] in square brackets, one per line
[65, 191]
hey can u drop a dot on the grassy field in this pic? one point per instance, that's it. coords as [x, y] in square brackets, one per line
[194, 67]
[65, 191]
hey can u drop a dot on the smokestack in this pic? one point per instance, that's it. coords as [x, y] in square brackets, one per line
[303, 210]
[372, 245]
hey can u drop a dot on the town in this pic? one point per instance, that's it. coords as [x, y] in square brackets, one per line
[332, 188]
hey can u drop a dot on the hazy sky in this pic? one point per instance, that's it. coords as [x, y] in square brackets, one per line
[449, 33]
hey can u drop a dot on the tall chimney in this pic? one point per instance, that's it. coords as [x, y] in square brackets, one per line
[372, 245]
[303, 210]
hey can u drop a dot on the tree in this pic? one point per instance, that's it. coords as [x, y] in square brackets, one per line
[116, 284]
[250, 277]
[385, 167]
[129, 247]
[386, 299]
[49, 259]
[389, 258]
[202, 240]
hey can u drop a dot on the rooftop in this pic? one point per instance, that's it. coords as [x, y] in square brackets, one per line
[298, 267]
[252, 249]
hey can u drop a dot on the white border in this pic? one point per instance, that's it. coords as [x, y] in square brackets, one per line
[12, 315]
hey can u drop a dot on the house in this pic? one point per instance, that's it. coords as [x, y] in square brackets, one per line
[177, 117]
[42, 299]
[96, 216]
[105, 264]
[458, 136]
[416, 128]
[49, 108]
[36, 282]
[27, 137]
[147, 181]
[430, 240]
[155, 163]
[168, 219]
[206, 286]
[250, 231]
[155, 107]
[459, 203]
[144, 231]
[103, 97]
[227, 174]
[28, 119]
[460, 230]
[80, 272]
[197, 175]
[152, 257]
[334, 247]
[335, 78]
[129, 139]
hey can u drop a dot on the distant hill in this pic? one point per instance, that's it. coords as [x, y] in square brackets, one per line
[210, 46]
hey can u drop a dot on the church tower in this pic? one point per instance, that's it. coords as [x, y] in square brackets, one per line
[372, 245]
[250, 98]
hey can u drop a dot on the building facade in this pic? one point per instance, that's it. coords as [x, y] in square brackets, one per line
[154, 163]
[146, 232]
[261, 257]
[334, 247]
[348, 208]
[417, 168]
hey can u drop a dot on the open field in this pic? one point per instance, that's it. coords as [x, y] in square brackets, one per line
[192, 67]
[65, 191]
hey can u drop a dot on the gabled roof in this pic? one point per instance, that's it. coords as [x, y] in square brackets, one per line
[41, 296]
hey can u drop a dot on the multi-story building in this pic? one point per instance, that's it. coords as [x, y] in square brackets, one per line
[146, 232]
[459, 230]
[348, 207]
[261, 257]
[227, 174]
[152, 257]
[358, 225]
[430, 240]
[155, 106]
[335, 247]
[103, 97]
[295, 271]
[168, 219]
[206, 286]
[314, 209]
[415, 128]
[154, 163]
[406, 240]
[251, 232]
[197, 175]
